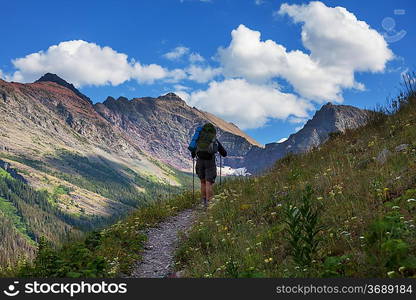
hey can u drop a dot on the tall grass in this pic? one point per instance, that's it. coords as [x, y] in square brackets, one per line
[365, 206]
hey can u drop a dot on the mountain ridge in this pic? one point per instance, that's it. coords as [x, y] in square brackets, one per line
[328, 119]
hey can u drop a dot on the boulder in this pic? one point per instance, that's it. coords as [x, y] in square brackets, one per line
[402, 147]
[383, 156]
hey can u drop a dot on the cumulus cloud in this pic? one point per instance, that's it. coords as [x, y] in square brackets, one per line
[246, 104]
[176, 53]
[202, 74]
[84, 63]
[339, 46]
[196, 57]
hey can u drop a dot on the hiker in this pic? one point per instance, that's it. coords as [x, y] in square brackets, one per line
[203, 146]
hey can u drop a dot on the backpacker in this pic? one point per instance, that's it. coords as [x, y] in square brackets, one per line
[206, 145]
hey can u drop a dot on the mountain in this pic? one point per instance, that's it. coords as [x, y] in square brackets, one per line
[49, 77]
[163, 126]
[345, 209]
[67, 165]
[329, 119]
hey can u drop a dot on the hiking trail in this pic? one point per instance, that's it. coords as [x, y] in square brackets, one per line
[159, 249]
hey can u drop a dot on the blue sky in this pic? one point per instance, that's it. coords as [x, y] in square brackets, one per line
[241, 84]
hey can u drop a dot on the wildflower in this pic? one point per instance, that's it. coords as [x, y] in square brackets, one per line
[258, 244]
[411, 226]
[402, 269]
[268, 260]
[353, 218]
[361, 237]
[319, 198]
[273, 213]
[248, 249]
[411, 200]
[391, 274]
[395, 207]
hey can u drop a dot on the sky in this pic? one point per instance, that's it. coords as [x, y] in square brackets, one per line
[264, 65]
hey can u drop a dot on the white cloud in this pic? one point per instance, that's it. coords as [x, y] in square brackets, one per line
[176, 53]
[180, 87]
[258, 2]
[1, 74]
[339, 45]
[246, 104]
[196, 57]
[336, 37]
[149, 73]
[78, 61]
[84, 63]
[295, 120]
[202, 74]
[282, 140]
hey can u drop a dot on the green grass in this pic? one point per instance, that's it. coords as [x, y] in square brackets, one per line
[107, 253]
[4, 173]
[365, 212]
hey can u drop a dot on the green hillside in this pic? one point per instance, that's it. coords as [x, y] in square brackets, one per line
[345, 209]
[28, 214]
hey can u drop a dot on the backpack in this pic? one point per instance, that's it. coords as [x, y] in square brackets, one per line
[192, 144]
[206, 145]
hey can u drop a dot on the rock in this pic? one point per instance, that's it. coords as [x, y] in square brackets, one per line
[163, 127]
[402, 147]
[49, 77]
[329, 120]
[383, 156]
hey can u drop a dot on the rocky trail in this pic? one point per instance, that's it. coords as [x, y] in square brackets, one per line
[162, 241]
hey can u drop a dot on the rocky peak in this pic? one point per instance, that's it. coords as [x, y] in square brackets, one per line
[330, 118]
[49, 77]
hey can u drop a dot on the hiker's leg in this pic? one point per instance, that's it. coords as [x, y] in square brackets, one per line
[203, 189]
[209, 190]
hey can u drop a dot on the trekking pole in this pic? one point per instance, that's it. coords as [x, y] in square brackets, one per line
[193, 179]
[220, 168]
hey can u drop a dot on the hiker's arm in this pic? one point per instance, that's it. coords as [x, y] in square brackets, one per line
[221, 149]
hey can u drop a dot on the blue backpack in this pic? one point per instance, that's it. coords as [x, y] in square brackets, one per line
[193, 144]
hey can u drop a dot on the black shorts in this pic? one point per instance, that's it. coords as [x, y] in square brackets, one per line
[206, 169]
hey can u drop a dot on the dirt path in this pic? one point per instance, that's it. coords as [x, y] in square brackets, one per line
[157, 257]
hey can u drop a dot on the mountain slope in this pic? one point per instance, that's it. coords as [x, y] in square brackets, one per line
[345, 209]
[89, 164]
[329, 119]
[162, 127]
[84, 171]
